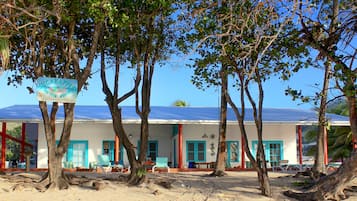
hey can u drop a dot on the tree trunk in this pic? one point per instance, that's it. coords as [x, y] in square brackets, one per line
[137, 173]
[319, 165]
[262, 169]
[222, 145]
[56, 178]
[264, 181]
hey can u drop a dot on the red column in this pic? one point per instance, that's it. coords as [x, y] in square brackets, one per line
[116, 153]
[325, 147]
[23, 140]
[300, 143]
[180, 145]
[3, 144]
[243, 153]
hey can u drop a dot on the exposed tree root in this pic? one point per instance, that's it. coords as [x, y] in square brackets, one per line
[218, 173]
[166, 183]
[303, 196]
[330, 187]
[30, 181]
[136, 180]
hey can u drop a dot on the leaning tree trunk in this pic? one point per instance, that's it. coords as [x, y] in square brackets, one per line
[222, 145]
[137, 171]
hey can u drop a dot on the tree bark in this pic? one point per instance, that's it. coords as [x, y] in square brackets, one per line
[221, 159]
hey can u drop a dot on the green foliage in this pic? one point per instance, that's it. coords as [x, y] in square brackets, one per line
[339, 138]
[43, 35]
[253, 33]
[13, 148]
[141, 172]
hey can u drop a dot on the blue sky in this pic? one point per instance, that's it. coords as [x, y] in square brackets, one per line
[171, 83]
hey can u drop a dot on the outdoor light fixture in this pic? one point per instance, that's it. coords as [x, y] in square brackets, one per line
[205, 136]
[130, 135]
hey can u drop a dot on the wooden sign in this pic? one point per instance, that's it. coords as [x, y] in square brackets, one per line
[57, 89]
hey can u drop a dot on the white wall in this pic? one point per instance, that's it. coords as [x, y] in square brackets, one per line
[96, 133]
[285, 133]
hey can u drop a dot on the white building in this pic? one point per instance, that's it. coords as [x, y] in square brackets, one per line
[182, 134]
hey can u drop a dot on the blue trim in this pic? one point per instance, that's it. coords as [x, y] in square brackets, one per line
[174, 130]
[174, 152]
[229, 152]
[195, 151]
[121, 153]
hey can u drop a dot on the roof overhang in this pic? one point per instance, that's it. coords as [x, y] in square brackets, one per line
[185, 122]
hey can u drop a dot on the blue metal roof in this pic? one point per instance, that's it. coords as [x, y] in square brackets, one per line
[31, 113]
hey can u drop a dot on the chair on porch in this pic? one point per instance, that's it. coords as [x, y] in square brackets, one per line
[161, 162]
[105, 164]
[282, 166]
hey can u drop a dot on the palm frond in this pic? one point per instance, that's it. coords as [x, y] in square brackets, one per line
[4, 53]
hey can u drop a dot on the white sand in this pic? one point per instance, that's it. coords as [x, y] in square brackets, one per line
[193, 186]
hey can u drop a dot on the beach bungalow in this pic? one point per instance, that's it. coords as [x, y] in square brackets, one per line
[185, 135]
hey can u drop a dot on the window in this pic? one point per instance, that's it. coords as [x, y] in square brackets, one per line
[109, 149]
[196, 151]
[273, 151]
[152, 151]
[233, 151]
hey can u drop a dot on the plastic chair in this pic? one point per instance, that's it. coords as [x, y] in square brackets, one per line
[161, 162]
[104, 163]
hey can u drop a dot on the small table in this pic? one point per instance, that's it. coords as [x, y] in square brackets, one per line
[205, 164]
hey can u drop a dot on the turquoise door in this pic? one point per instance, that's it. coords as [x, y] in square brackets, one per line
[273, 151]
[232, 151]
[78, 153]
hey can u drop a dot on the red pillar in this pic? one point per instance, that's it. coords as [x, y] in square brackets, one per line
[23, 140]
[180, 145]
[325, 147]
[300, 143]
[3, 144]
[243, 153]
[116, 153]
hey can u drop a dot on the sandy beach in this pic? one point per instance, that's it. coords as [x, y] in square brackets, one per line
[185, 186]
